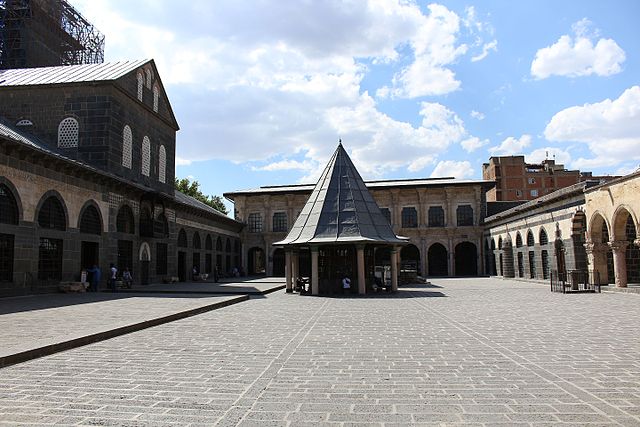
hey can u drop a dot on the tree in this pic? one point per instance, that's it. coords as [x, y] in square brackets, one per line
[192, 188]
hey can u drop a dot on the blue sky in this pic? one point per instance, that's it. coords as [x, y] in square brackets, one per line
[264, 89]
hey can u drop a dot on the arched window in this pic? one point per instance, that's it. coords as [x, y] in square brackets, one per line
[218, 244]
[125, 222]
[543, 237]
[90, 221]
[530, 240]
[146, 223]
[148, 73]
[156, 98]
[196, 240]
[163, 224]
[52, 215]
[464, 215]
[127, 142]
[518, 240]
[182, 239]
[227, 247]
[208, 244]
[146, 156]
[140, 85]
[162, 165]
[8, 206]
[68, 130]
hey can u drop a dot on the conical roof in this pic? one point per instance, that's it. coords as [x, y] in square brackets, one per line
[340, 209]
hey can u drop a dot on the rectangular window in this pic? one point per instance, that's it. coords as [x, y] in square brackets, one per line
[387, 214]
[279, 221]
[531, 180]
[518, 193]
[50, 259]
[464, 215]
[409, 217]
[255, 223]
[534, 193]
[436, 216]
[161, 258]
[6, 257]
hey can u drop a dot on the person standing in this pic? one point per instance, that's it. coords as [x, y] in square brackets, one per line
[95, 278]
[113, 272]
[346, 285]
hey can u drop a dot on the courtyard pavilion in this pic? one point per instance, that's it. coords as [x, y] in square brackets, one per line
[342, 227]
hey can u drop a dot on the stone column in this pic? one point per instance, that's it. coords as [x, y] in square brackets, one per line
[294, 264]
[597, 262]
[394, 269]
[287, 270]
[315, 289]
[362, 288]
[507, 260]
[619, 262]
[451, 254]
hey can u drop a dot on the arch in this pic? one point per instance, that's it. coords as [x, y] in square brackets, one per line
[9, 209]
[68, 131]
[145, 223]
[493, 244]
[125, 222]
[543, 237]
[162, 165]
[620, 216]
[144, 254]
[466, 256]
[500, 243]
[90, 220]
[140, 85]
[146, 156]
[208, 244]
[518, 240]
[256, 261]
[438, 260]
[156, 97]
[52, 213]
[127, 146]
[278, 262]
[148, 77]
[530, 240]
[219, 244]
[182, 238]
[410, 261]
[196, 240]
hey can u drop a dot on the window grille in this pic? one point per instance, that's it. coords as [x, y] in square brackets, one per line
[161, 258]
[218, 244]
[140, 86]
[255, 223]
[534, 193]
[148, 72]
[196, 240]
[182, 239]
[52, 215]
[162, 165]
[125, 255]
[8, 206]
[125, 222]
[146, 156]
[544, 240]
[6, 257]
[530, 240]
[68, 130]
[464, 215]
[127, 143]
[280, 221]
[436, 216]
[208, 244]
[161, 226]
[50, 259]
[156, 98]
[409, 217]
[90, 221]
[518, 240]
[387, 214]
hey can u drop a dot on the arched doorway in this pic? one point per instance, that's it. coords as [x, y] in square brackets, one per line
[625, 231]
[145, 260]
[409, 264]
[438, 260]
[466, 259]
[278, 263]
[256, 263]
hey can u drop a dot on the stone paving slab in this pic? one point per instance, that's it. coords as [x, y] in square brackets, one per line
[34, 326]
[257, 286]
[481, 352]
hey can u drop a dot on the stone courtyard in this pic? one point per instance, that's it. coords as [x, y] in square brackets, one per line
[459, 351]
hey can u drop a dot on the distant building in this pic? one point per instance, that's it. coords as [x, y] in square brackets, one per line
[517, 180]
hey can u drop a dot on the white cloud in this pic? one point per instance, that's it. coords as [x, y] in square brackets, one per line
[477, 115]
[473, 143]
[578, 56]
[285, 165]
[446, 168]
[611, 129]
[552, 153]
[486, 48]
[182, 162]
[511, 146]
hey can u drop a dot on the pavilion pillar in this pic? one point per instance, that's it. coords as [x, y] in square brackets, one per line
[315, 289]
[287, 270]
[295, 271]
[394, 269]
[619, 248]
[362, 288]
[597, 262]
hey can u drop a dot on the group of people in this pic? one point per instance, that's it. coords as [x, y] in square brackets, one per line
[96, 276]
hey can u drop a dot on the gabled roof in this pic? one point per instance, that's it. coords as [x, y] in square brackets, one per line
[341, 210]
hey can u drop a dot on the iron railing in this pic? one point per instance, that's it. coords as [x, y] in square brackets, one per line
[575, 281]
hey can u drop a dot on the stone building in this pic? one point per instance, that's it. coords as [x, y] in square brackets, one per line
[442, 217]
[86, 177]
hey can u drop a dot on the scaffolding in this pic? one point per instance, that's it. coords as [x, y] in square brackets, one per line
[40, 33]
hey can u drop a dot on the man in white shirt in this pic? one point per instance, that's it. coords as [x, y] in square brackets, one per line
[346, 285]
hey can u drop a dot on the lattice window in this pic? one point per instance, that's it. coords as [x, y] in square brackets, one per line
[68, 130]
[127, 146]
[464, 215]
[146, 156]
[530, 240]
[255, 223]
[387, 214]
[148, 73]
[8, 206]
[543, 237]
[125, 222]
[161, 258]
[161, 226]
[52, 215]
[156, 98]
[182, 239]
[140, 86]
[280, 221]
[162, 165]
[218, 244]
[518, 240]
[208, 243]
[196, 240]
[436, 216]
[409, 217]
[50, 259]
[90, 221]
[6, 257]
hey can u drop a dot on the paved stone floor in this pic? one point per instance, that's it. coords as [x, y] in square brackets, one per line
[473, 352]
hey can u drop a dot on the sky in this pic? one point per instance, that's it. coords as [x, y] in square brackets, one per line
[264, 89]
